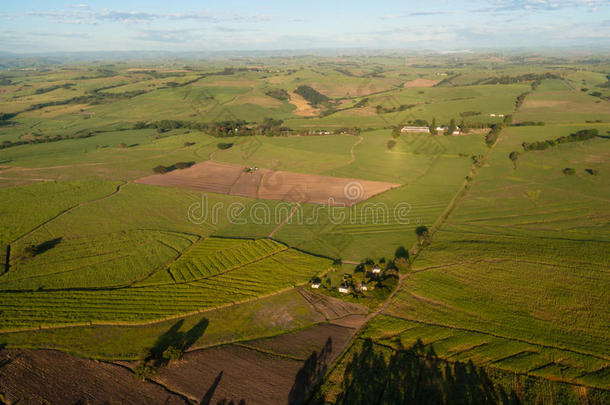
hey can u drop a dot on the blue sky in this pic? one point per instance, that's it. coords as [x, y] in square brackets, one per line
[42, 26]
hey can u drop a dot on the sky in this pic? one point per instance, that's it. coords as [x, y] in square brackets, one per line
[37, 26]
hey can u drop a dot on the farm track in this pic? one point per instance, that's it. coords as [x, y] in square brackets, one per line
[277, 228]
[490, 227]
[351, 150]
[417, 248]
[500, 260]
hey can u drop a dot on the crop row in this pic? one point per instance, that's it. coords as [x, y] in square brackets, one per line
[140, 304]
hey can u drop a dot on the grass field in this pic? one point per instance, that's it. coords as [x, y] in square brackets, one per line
[259, 318]
[512, 276]
[139, 304]
[516, 276]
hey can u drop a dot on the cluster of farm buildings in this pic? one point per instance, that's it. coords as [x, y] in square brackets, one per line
[418, 130]
[345, 288]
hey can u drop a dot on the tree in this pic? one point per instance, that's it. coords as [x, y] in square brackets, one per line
[143, 371]
[139, 125]
[568, 171]
[422, 233]
[421, 230]
[172, 353]
[31, 250]
[451, 128]
[464, 127]
[183, 165]
[224, 145]
[401, 253]
[433, 127]
[514, 156]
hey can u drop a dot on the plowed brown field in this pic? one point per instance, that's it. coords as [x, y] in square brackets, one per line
[268, 184]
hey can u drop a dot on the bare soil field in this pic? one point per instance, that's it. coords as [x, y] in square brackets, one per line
[421, 83]
[303, 343]
[48, 376]
[207, 176]
[332, 308]
[231, 373]
[267, 184]
[350, 321]
[276, 370]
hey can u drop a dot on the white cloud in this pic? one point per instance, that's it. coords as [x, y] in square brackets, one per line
[86, 15]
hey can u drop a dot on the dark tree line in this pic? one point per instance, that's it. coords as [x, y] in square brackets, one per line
[279, 94]
[578, 136]
[416, 375]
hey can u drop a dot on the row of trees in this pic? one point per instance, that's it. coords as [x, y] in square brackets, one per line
[43, 90]
[528, 77]
[279, 94]
[269, 126]
[403, 107]
[581, 135]
[45, 139]
[176, 166]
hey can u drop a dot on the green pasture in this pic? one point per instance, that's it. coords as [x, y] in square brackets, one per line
[264, 317]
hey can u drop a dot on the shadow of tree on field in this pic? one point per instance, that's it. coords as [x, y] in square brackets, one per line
[416, 376]
[314, 368]
[231, 402]
[34, 250]
[174, 339]
[209, 394]
[4, 361]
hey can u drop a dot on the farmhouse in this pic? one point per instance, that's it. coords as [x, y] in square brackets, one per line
[376, 270]
[315, 284]
[363, 286]
[343, 289]
[409, 129]
[441, 130]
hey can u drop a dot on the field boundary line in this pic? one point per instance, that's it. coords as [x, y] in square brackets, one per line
[185, 398]
[243, 345]
[67, 210]
[511, 371]
[544, 345]
[281, 224]
[149, 322]
[169, 262]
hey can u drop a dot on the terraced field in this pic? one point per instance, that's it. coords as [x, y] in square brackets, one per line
[264, 267]
[215, 256]
[504, 297]
[107, 260]
[515, 279]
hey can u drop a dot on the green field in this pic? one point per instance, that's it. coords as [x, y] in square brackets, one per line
[509, 285]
